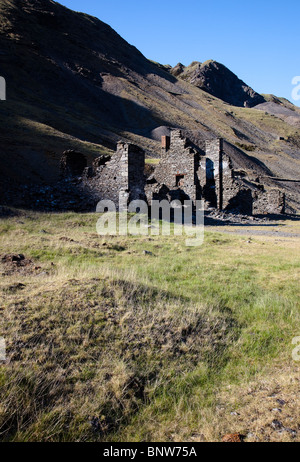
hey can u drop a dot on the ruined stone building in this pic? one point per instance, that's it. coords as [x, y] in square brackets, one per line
[217, 172]
[122, 175]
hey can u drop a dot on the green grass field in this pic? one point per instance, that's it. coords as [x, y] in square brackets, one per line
[107, 343]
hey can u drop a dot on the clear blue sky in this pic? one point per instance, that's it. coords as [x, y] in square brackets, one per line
[257, 40]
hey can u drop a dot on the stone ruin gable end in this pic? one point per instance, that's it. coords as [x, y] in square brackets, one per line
[179, 166]
[122, 175]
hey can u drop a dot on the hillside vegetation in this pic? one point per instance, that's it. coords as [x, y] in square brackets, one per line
[107, 343]
[74, 83]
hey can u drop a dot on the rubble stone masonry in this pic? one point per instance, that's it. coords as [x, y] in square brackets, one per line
[185, 172]
[122, 175]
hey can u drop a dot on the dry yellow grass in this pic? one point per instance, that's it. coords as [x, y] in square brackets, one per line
[108, 344]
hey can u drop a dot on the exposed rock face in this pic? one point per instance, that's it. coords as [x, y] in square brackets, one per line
[83, 87]
[178, 69]
[219, 81]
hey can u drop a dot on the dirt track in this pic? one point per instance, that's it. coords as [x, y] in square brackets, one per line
[273, 226]
[248, 231]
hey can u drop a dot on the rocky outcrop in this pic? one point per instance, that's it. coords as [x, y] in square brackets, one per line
[219, 81]
[83, 87]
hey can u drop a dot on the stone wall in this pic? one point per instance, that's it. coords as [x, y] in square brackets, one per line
[187, 173]
[122, 175]
[184, 173]
[248, 196]
[214, 173]
[272, 201]
[177, 170]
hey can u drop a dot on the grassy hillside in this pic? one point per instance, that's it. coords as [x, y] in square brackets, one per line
[106, 343]
[74, 83]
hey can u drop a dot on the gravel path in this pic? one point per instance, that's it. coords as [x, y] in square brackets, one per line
[274, 226]
[253, 232]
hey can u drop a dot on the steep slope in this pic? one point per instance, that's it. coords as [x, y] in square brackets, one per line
[74, 83]
[281, 108]
[219, 81]
[57, 64]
